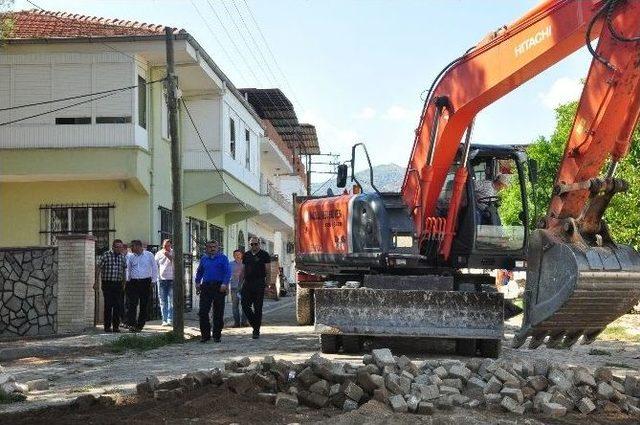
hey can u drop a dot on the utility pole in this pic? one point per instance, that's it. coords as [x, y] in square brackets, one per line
[176, 190]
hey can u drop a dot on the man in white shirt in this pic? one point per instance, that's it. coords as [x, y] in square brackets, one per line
[164, 260]
[141, 271]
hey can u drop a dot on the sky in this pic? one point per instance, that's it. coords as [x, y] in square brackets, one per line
[355, 69]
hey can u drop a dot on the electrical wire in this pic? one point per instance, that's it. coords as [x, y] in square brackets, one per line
[273, 57]
[239, 52]
[204, 146]
[112, 93]
[62, 99]
[244, 40]
[215, 37]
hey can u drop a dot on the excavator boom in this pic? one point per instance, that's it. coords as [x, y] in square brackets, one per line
[578, 278]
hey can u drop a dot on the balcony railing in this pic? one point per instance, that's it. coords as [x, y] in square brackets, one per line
[268, 188]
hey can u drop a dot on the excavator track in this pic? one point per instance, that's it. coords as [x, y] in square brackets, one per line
[574, 291]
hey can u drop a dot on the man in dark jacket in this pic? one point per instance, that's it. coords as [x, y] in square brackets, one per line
[212, 281]
[255, 276]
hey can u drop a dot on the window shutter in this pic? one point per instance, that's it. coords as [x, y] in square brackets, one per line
[110, 76]
[32, 84]
[72, 80]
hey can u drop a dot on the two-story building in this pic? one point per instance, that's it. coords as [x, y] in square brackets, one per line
[100, 164]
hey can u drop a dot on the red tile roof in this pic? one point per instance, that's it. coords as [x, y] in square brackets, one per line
[45, 24]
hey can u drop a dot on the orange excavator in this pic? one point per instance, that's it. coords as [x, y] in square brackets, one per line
[415, 263]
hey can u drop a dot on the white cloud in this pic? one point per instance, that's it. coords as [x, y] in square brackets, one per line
[399, 113]
[562, 90]
[331, 137]
[366, 113]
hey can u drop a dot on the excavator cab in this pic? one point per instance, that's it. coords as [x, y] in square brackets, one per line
[488, 235]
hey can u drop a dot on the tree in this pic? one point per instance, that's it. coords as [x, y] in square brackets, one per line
[6, 20]
[623, 215]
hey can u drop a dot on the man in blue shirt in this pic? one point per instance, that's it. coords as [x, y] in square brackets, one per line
[212, 281]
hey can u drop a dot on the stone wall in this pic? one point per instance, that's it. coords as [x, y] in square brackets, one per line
[28, 291]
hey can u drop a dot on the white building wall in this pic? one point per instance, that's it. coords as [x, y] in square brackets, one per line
[249, 174]
[30, 78]
[206, 114]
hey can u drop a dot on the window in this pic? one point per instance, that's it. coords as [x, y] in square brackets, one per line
[247, 154]
[113, 120]
[142, 102]
[241, 242]
[232, 137]
[94, 219]
[166, 224]
[197, 236]
[216, 234]
[73, 120]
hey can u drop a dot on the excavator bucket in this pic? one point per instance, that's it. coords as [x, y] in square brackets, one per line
[575, 290]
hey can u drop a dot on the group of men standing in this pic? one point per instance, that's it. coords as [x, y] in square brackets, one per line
[245, 277]
[127, 278]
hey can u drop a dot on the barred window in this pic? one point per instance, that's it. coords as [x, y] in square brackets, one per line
[93, 219]
[166, 224]
[216, 234]
[197, 236]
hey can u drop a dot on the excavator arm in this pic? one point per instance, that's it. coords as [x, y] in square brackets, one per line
[503, 61]
[578, 279]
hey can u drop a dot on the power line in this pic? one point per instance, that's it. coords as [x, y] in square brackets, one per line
[232, 40]
[204, 146]
[274, 80]
[235, 45]
[273, 57]
[215, 37]
[110, 93]
[62, 99]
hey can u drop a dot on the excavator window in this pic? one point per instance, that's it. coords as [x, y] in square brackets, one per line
[497, 228]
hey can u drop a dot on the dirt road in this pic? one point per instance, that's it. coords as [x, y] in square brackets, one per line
[118, 373]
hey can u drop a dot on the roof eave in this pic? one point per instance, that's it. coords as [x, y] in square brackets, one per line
[135, 38]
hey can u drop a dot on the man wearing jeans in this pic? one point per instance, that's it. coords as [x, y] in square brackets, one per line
[235, 285]
[141, 271]
[212, 280]
[164, 260]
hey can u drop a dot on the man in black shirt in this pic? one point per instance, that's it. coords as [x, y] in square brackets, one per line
[255, 276]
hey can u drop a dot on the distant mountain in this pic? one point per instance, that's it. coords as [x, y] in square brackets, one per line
[387, 178]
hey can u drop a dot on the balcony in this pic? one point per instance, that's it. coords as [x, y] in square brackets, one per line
[276, 210]
[125, 164]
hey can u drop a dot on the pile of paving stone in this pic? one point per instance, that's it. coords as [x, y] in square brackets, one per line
[406, 386]
[13, 390]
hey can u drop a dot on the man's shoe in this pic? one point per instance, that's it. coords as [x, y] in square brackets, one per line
[134, 330]
[256, 335]
[165, 324]
[216, 339]
[107, 330]
[203, 340]
[116, 330]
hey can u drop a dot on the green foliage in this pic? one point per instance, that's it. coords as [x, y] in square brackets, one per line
[143, 343]
[623, 215]
[6, 20]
